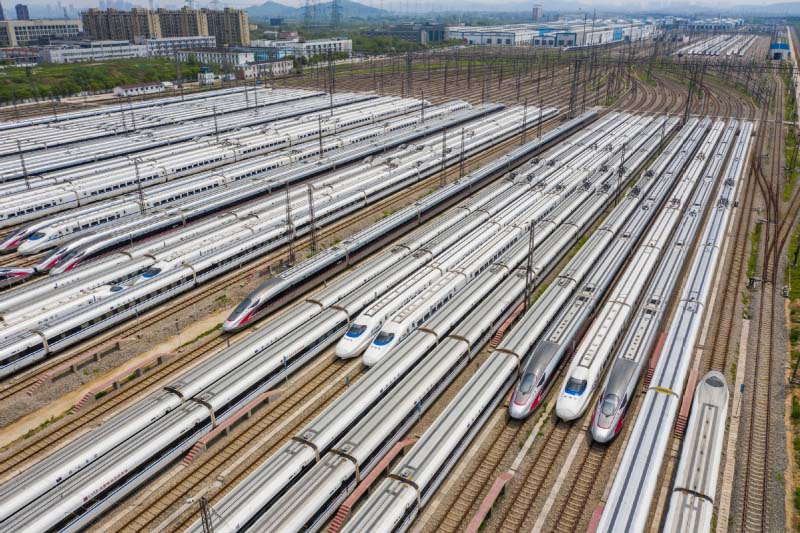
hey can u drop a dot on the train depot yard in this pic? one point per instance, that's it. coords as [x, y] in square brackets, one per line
[494, 288]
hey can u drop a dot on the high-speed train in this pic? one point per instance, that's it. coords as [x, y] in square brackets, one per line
[86, 152]
[635, 485]
[558, 339]
[629, 361]
[594, 350]
[178, 202]
[189, 158]
[396, 502]
[83, 478]
[263, 299]
[193, 264]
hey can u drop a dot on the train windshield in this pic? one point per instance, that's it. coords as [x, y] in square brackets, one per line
[384, 338]
[526, 385]
[610, 403]
[151, 273]
[356, 330]
[576, 387]
[36, 236]
[244, 304]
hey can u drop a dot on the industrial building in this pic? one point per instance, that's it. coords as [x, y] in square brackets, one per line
[563, 34]
[92, 51]
[30, 32]
[168, 46]
[280, 49]
[415, 32]
[229, 26]
[217, 56]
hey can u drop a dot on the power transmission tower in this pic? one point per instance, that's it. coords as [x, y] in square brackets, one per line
[336, 13]
[307, 14]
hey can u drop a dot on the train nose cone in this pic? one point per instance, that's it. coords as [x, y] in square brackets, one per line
[347, 348]
[602, 435]
[518, 411]
[29, 247]
[235, 322]
[375, 354]
[568, 407]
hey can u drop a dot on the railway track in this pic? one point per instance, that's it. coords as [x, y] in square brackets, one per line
[756, 504]
[163, 510]
[572, 512]
[519, 506]
[40, 446]
[480, 476]
[730, 307]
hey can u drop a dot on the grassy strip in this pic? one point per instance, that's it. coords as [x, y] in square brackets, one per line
[789, 147]
[51, 80]
[31, 432]
[206, 333]
[752, 261]
[792, 278]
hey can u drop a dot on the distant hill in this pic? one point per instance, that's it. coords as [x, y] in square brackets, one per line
[350, 10]
[273, 9]
[784, 9]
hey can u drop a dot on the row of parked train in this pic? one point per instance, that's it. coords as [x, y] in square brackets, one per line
[149, 117]
[53, 192]
[89, 475]
[179, 201]
[416, 312]
[720, 45]
[50, 315]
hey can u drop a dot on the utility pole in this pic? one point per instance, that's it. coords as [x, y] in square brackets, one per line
[461, 157]
[24, 168]
[524, 122]
[289, 226]
[319, 130]
[442, 178]
[216, 127]
[331, 79]
[122, 112]
[205, 516]
[133, 115]
[313, 221]
[336, 13]
[136, 161]
[529, 266]
[539, 125]
[409, 75]
[620, 172]
[178, 74]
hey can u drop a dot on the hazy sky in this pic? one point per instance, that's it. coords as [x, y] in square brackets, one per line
[427, 5]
